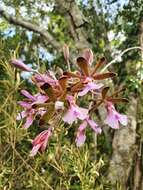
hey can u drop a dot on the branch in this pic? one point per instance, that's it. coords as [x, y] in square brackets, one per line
[120, 55]
[76, 21]
[29, 26]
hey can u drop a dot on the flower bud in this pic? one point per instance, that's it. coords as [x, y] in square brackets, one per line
[19, 64]
[66, 52]
[59, 105]
[88, 55]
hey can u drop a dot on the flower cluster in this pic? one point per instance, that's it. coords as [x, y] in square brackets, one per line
[59, 97]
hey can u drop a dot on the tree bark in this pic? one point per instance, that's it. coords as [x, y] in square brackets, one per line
[76, 21]
[32, 27]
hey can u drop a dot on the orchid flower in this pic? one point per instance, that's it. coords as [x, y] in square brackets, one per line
[54, 94]
[90, 86]
[74, 112]
[41, 141]
[113, 117]
[87, 76]
[81, 137]
[29, 111]
[40, 79]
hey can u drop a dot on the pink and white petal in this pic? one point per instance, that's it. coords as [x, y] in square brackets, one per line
[39, 138]
[21, 115]
[24, 104]
[82, 126]
[83, 113]
[28, 95]
[80, 139]
[112, 121]
[94, 86]
[44, 145]
[123, 119]
[41, 99]
[35, 150]
[29, 121]
[84, 91]
[70, 99]
[94, 126]
[69, 116]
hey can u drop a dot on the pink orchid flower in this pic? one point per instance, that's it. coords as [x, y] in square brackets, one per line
[41, 141]
[113, 117]
[81, 137]
[45, 78]
[74, 112]
[89, 87]
[19, 64]
[30, 113]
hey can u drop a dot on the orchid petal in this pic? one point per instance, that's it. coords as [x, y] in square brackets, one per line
[40, 142]
[21, 115]
[82, 126]
[81, 137]
[24, 104]
[89, 87]
[84, 91]
[112, 121]
[44, 145]
[41, 99]
[82, 113]
[35, 150]
[39, 138]
[113, 117]
[123, 119]
[94, 126]
[69, 117]
[29, 121]
[28, 95]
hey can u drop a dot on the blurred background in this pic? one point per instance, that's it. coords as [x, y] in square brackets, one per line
[35, 31]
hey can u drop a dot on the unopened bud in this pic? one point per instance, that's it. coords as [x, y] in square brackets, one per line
[19, 64]
[88, 55]
[66, 52]
[59, 105]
